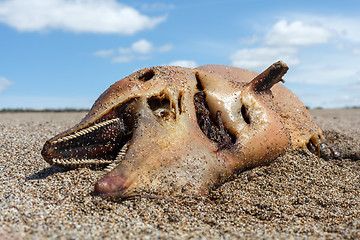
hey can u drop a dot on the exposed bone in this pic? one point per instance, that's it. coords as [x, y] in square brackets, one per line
[269, 77]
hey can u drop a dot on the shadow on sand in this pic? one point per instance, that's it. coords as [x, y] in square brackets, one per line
[46, 172]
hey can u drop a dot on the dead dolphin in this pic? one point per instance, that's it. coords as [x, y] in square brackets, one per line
[178, 130]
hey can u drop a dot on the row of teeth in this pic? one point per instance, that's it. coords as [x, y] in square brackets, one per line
[73, 161]
[113, 163]
[119, 158]
[86, 131]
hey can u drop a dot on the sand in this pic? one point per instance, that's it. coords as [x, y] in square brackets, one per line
[298, 196]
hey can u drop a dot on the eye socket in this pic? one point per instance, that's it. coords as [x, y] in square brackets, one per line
[180, 99]
[199, 85]
[245, 114]
[161, 107]
[147, 76]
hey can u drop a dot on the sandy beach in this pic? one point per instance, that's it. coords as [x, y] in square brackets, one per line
[298, 196]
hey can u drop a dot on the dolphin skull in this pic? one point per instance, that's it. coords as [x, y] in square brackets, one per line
[178, 130]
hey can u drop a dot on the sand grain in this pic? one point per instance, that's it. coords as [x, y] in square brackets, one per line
[298, 196]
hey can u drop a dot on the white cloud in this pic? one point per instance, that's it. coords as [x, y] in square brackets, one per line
[184, 63]
[142, 46]
[90, 16]
[250, 40]
[356, 51]
[4, 83]
[325, 51]
[138, 50]
[297, 33]
[258, 59]
[286, 39]
[281, 42]
[123, 50]
[326, 75]
[104, 53]
[341, 27]
[122, 59]
[354, 87]
[157, 6]
[165, 48]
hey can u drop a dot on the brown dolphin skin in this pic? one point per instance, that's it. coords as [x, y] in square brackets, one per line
[183, 131]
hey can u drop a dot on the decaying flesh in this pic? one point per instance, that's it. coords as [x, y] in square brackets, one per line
[181, 130]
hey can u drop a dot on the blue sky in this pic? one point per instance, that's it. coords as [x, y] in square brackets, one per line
[65, 53]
